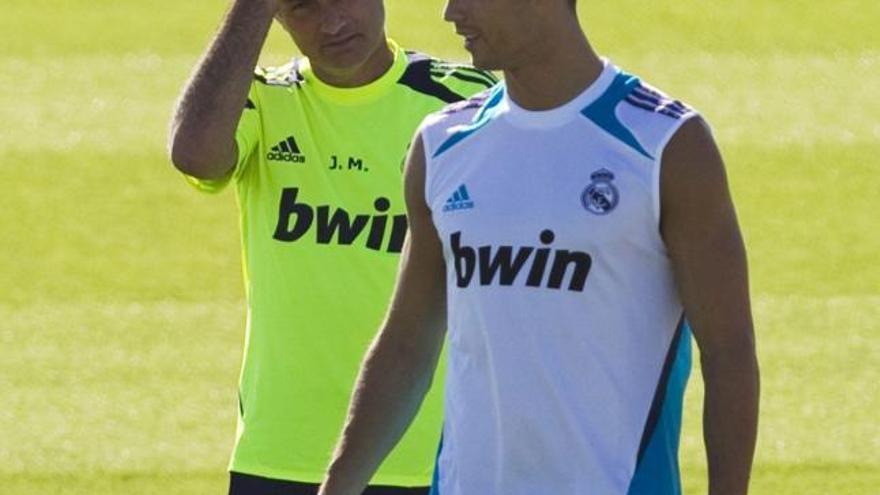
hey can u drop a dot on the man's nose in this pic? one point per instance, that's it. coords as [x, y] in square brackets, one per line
[452, 11]
[333, 22]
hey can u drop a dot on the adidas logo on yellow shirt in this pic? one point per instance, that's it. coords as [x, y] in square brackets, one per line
[286, 151]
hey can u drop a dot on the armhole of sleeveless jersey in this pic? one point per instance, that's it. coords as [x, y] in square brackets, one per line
[426, 149]
[658, 163]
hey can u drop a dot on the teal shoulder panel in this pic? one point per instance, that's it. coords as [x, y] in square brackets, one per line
[483, 117]
[601, 111]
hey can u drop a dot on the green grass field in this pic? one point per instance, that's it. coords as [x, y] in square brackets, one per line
[121, 302]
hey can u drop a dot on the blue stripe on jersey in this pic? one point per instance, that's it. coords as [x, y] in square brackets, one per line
[657, 471]
[601, 111]
[483, 117]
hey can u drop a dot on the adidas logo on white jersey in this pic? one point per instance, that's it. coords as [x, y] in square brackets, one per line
[460, 200]
[286, 151]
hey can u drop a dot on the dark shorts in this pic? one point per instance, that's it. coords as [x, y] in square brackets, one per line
[246, 484]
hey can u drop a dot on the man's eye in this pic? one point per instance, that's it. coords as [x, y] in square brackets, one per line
[292, 5]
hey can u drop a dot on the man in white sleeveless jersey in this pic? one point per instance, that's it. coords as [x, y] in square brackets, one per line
[562, 226]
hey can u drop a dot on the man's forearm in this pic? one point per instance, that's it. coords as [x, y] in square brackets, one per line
[390, 389]
[730, 419]
[202, 138]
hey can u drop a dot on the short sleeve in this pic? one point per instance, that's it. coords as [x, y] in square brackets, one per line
[247, 136]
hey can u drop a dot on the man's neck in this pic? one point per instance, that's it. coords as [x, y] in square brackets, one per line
[564, 67]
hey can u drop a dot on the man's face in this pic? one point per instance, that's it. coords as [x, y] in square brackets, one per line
[338, 36]
[497, 33]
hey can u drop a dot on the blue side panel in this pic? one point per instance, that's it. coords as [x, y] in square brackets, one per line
[657, 471]
[483, 117]
[601, 111]
[435, 481]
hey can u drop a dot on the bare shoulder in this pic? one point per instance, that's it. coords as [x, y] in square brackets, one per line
[414, 179]
[694, 194]
[691, 162]
[692, 153]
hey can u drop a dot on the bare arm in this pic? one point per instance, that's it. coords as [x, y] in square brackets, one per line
[202, 140]
[399, 367]
[700, 229]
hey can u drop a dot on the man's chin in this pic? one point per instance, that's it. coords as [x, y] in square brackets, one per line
[339, 63]
[342, 61]
[484, 63]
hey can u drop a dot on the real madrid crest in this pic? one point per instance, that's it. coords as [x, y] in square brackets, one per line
[601, 196]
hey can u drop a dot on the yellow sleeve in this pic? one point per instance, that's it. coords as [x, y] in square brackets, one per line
[247, 136]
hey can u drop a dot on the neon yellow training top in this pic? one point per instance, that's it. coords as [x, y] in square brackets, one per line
[319, 190]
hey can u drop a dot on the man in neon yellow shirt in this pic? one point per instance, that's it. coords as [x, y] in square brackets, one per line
[314, 150]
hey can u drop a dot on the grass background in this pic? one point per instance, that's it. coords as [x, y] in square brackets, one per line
[120, 295]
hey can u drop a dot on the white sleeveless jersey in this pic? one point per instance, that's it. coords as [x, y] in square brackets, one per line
[568, 351]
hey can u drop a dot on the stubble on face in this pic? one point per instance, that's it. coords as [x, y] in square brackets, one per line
[346, 46]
